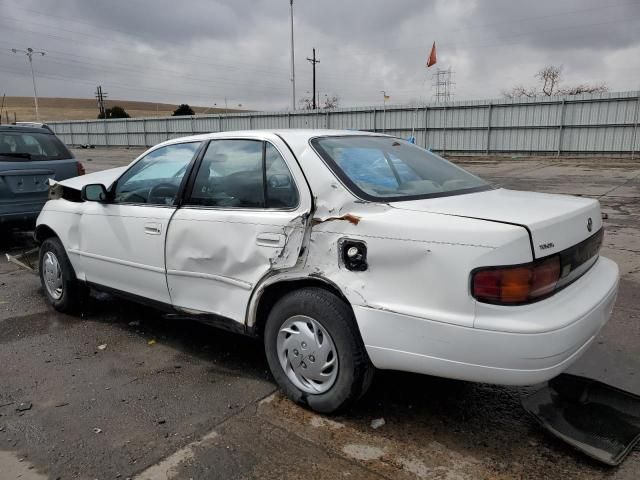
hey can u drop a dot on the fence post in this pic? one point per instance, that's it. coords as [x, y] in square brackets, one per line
[289, 119]
[166, 128]
[250, 122]
[106, 134]
[426, 126]
[489, 128]
[71, 131]
[191, 123]
[328, 123]
[375, 119]
[634, 137]
[561, 130]
[144, 132]
[444, 132]
[86, 125]
[126, 131]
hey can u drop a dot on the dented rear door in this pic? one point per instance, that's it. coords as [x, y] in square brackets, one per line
[244, 218]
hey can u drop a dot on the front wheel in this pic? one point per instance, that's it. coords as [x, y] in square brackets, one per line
[62, 289]
[315, 351]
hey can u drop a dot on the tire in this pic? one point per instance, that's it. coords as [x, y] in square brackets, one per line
[63, 291]
[315, 314]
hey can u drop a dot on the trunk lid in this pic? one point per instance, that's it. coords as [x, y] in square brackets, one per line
[554, 222]
[26, 180]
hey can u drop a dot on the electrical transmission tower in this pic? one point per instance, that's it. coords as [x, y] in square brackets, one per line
[443, 85]
[102, 106]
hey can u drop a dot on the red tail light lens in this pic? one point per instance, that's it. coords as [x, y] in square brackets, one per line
[81, 170]
[514, 285]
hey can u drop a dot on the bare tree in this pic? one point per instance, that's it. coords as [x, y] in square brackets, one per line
[306, 103]
[549, 79]
[585, 88]
[331, 101]
[519, 91]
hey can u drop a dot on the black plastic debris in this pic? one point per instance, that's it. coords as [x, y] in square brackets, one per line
[600, 420]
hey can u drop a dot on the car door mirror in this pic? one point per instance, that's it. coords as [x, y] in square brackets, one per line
[95, 192]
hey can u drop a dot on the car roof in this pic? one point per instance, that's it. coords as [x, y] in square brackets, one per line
[289, 134]
[24, 129]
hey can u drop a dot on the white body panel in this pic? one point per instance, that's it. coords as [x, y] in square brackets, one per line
[215, 267]
[541, 213]
[122, 247]
[413, 304]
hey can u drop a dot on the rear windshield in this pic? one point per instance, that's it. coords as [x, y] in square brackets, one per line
[389, 169]
[24, 146]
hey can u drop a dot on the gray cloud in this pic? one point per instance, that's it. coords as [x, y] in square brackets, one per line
[201, 51]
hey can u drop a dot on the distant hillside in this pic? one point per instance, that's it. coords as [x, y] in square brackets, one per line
[52, 109]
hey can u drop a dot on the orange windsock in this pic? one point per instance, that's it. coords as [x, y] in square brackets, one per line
[431, 60]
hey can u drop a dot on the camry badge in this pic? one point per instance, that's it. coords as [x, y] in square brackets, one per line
[589, 224]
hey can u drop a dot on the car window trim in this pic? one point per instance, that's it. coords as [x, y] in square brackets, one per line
[181, 188]
[196, 169]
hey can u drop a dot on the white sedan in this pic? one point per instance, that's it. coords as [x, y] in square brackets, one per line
[344, 251]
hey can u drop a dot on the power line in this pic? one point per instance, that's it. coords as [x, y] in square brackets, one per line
[125, 46]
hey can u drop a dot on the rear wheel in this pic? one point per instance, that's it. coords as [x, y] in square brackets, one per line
[315, 351]
[62, 289]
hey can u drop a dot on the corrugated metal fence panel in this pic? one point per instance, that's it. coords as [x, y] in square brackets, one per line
[606, 123]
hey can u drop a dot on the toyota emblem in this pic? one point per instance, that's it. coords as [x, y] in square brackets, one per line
[589, 224]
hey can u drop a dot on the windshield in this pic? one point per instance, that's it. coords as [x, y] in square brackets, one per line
[21, 146]
[388, 169]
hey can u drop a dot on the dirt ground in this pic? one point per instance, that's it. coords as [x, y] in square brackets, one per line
[200, 403]
[56, 109]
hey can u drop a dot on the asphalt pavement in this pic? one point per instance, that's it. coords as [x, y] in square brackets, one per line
[121, 392]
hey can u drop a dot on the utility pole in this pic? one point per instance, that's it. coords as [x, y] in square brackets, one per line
[385, 97]
[2, 107]
[313, 62]
[29, 52]
[102, 107]
[293, 68]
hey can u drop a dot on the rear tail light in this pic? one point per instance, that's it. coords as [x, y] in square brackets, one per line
[81, 170]
[517, 284]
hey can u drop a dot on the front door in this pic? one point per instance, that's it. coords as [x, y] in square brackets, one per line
[243, 218]
[122, 242]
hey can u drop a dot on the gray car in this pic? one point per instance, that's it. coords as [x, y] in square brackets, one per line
[29, 157]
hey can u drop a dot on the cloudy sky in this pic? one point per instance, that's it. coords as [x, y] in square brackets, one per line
[201, 51]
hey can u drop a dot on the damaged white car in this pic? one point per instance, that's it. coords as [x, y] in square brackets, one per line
[344, 251]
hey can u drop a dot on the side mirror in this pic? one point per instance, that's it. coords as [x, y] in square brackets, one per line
[95, 192]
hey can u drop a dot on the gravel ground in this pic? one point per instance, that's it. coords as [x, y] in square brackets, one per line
[200, 403]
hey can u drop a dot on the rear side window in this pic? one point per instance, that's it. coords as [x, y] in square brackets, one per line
[243, 174]
[388, 169]
[17, 146]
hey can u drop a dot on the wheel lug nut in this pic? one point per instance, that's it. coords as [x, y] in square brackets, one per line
[304, 345]
[295, 352]
[304, 365]
[312, 358]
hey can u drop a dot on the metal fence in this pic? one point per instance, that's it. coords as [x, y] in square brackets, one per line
[603, 123]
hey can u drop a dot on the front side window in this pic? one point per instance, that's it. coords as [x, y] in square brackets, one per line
[243, 174]
[155, 179]
[389, 169]
[17, 146]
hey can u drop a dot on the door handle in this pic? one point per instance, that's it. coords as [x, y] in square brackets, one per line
[152, 228]
[275, 240]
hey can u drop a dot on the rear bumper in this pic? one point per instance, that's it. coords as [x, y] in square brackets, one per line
[534, 354]
[20, 212]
